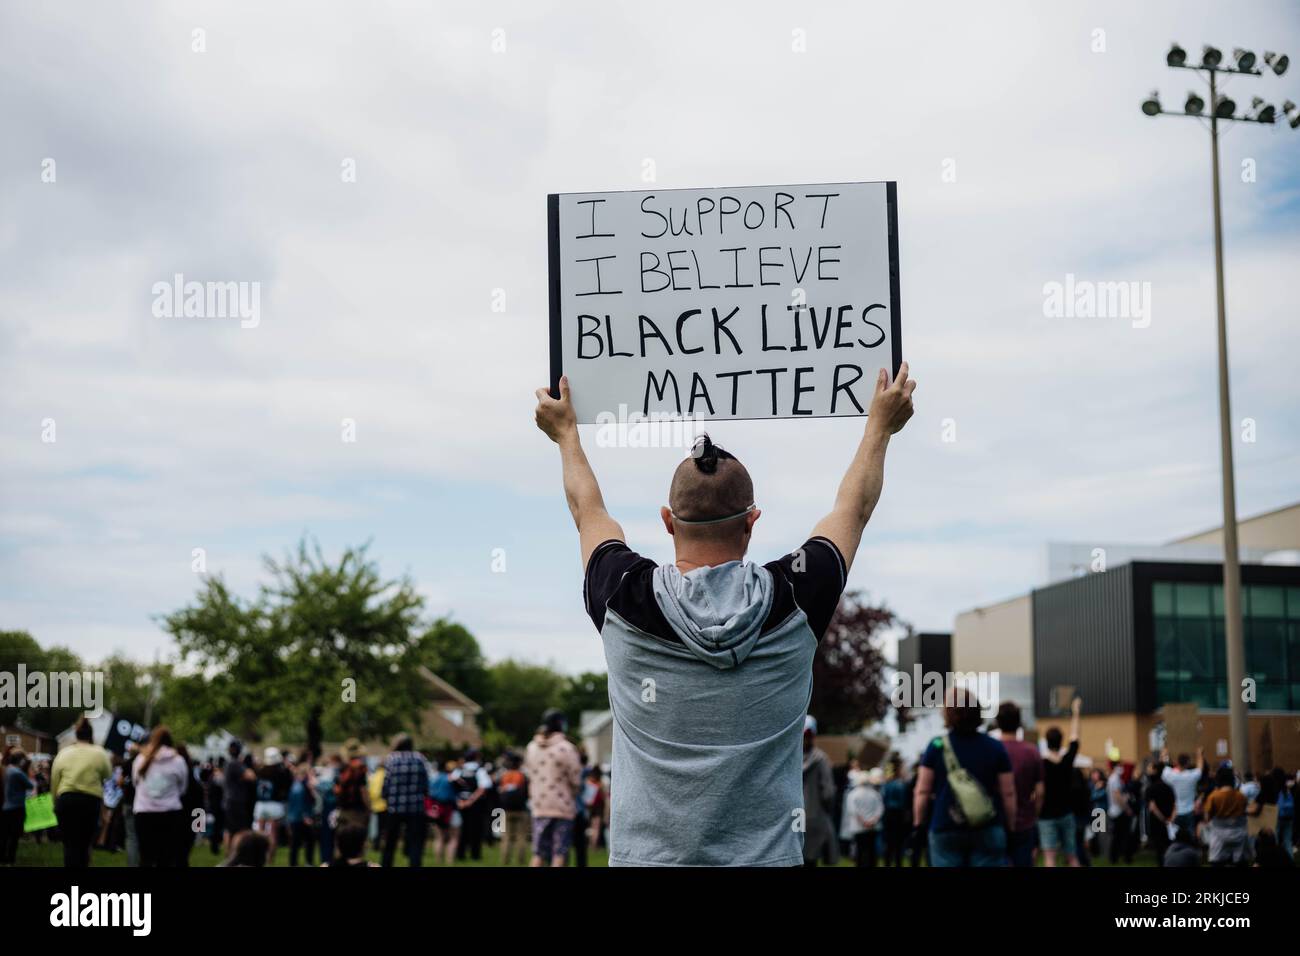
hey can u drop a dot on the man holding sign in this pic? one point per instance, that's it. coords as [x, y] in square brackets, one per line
[710, 658]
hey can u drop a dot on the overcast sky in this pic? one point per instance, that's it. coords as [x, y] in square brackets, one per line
[376, 295]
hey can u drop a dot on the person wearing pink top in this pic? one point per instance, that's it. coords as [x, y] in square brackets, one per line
[554, 777]
[161, 776]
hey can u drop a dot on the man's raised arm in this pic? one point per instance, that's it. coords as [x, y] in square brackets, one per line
[557, 418]
[891, 407]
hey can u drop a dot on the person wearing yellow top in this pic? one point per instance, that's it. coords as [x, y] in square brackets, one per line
[77, 781]
[378, 806]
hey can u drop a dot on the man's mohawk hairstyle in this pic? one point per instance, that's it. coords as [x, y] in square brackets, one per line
[707, 455]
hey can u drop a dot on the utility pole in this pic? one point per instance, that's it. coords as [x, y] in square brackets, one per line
[1223, 108]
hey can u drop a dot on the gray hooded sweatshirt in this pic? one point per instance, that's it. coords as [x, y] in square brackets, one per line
[710, 675]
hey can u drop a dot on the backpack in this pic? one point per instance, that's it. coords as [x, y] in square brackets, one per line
[971, 804]
[466, 783]
[350, 788]
[514, 791]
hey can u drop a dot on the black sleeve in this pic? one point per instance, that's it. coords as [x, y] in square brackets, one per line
[817, 573]
[605, 569]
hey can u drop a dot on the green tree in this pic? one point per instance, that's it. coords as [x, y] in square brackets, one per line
[19, 647]
[588, 691]
[519, 695]
[849, 670]
[324, 648]
[138, 691]
[451, 652]
[237, 670]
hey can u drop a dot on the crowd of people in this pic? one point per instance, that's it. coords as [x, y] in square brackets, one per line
[545, 806]
[984, 797]
[977, 796]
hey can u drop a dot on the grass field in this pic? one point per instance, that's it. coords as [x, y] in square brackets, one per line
[31, 853]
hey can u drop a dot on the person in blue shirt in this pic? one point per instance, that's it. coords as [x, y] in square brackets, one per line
[406, 785]
[1286, 817]
[1279, 788]
[17, 785]
[445, 817]
[327, 803]
[897, 813]
[300, 814]
[953, 841]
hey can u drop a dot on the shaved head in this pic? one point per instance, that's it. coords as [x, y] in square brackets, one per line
[710, 484]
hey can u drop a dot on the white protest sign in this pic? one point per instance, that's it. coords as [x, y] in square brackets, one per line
[745, 302]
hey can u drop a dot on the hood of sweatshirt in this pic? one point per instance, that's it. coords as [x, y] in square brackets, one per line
[717, 611]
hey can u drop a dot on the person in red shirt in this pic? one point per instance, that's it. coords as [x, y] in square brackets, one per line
[1027, 770]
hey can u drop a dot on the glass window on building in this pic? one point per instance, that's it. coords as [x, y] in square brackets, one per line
[1192, 601]
[1166, 630]
[1293, 642]
[1190, 656]
[1162, 600]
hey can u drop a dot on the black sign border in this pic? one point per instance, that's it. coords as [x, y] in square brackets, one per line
[553, 266]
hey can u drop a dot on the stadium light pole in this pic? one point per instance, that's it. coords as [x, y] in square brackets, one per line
[1222, 109]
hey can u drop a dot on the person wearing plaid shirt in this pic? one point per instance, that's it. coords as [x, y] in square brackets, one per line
[406, 784]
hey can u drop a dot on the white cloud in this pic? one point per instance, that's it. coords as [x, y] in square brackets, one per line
[225, 165]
